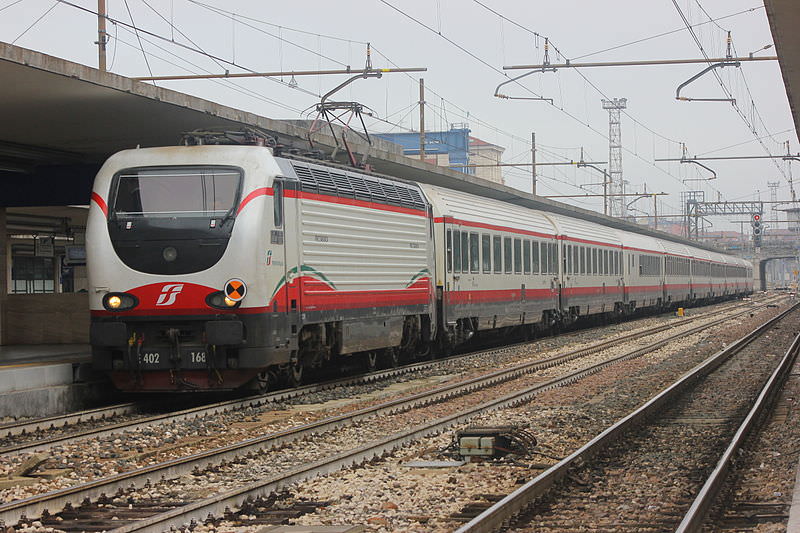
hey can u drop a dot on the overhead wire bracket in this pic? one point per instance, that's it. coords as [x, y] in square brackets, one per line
[545, 68]
[685, 159]
[709, 68]
[342, 113]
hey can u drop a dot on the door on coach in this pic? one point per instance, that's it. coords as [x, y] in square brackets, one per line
[286, 222]
[455, 256]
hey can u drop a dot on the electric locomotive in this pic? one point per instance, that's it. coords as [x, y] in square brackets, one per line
[214, 267]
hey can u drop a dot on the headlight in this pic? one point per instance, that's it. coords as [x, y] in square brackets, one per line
[119, 301]
[218, 300]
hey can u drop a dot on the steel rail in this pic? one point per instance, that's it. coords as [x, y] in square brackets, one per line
[216, 408]
[694, 518]
[506, 509]
[40, 424]
[218, 504]
[34, 506]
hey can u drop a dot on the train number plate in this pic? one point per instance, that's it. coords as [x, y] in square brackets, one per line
[151, 358]
[194, 358]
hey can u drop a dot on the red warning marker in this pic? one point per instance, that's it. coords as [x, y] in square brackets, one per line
[235, 289]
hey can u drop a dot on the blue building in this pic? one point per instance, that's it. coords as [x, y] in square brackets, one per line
[443, 148]
[454, 149]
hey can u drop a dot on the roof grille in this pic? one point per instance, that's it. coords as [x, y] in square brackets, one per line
[321, 180]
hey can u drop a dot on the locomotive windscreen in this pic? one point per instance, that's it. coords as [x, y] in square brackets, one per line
[173, 220]
[176, 192]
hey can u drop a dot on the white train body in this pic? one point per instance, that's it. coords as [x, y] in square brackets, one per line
[212, 266]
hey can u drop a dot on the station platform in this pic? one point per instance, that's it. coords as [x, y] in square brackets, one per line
[44, 380]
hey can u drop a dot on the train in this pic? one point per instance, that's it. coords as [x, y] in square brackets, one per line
[220, 267]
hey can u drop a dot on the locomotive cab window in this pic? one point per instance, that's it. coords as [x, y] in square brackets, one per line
[277, 202]
[176, 192]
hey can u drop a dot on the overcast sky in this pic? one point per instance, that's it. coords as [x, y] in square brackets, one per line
[263, 36]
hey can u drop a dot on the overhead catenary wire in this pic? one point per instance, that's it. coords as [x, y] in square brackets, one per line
[279, 26]
[663, 34]
[182, 45]
[136, 31]
[174, 28]
[261, 30]
[35, 22]
[225, 83]
[11, 4]
[596, 88]
[725, 89]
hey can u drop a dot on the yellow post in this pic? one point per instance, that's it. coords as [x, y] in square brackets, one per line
[680, 311]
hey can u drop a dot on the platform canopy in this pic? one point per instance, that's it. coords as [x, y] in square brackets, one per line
[61, 120]
[784, 21]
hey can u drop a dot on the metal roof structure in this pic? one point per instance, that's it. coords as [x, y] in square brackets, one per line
[784, 21]
[63, 119]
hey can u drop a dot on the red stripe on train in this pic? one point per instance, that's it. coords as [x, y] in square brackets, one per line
[100, 203]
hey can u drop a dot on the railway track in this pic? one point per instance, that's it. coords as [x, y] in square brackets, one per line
[175, 513]
[100, 421]
[641, 470]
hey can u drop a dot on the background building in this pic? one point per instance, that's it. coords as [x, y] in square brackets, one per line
[455, 149]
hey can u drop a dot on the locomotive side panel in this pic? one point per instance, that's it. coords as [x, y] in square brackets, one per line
[364, 260]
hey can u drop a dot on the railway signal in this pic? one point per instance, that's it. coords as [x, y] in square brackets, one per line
[755, 222]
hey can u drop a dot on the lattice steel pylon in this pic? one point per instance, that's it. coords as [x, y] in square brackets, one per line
[614, 107]
[773, 199]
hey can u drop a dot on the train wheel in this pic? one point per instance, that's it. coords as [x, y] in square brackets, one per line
[389, 358]
[372, 361]
[266, 381]
[295, 375]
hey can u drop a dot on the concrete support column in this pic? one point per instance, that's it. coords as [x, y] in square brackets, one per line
[5, 268]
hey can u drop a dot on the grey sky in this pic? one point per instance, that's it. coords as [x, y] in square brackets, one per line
[466, 85]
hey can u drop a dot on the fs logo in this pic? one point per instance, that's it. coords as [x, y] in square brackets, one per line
[169, 293]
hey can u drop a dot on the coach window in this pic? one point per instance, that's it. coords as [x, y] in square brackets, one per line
[526, 256]
[508, 253]
[517, 256]
[449, 251]
[575, 266]
[593, 265]
[616, 263]
[553, 258]
[567, 259]
[464, 252]
[583, 260]
[545, 258]
[498, 254]
[474, 252]
[486, 245]
[456, 251]
[535, 265]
